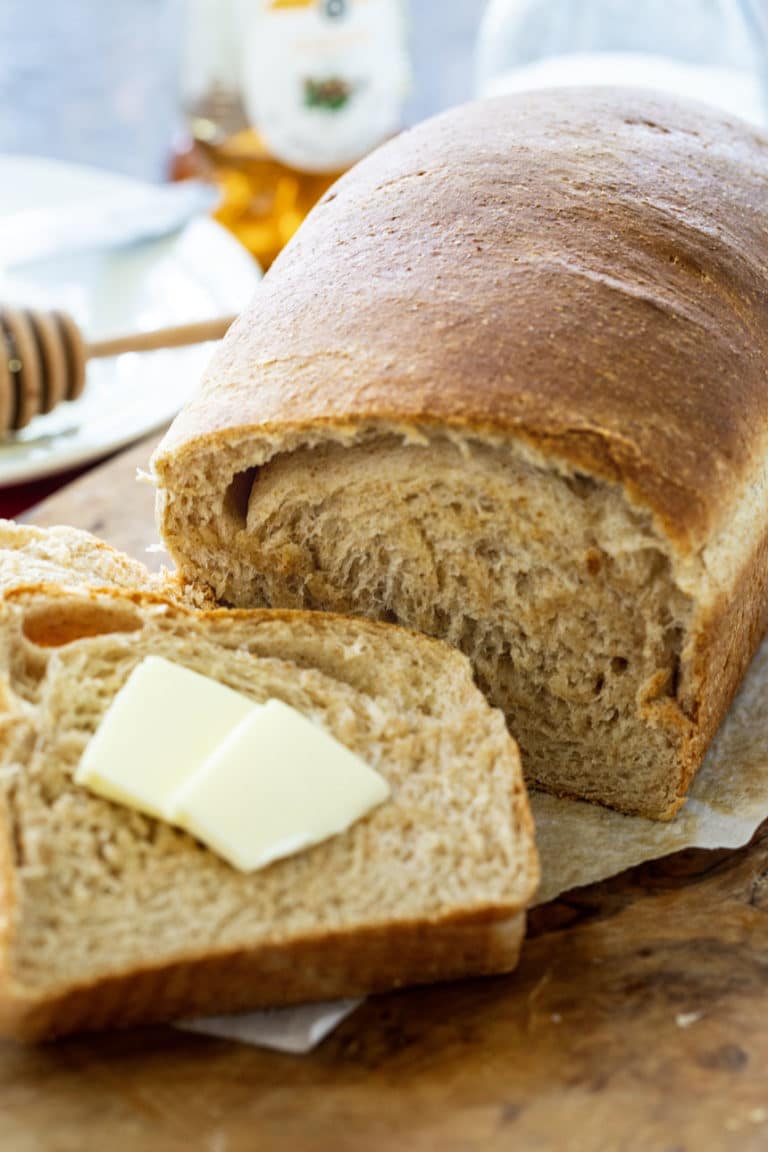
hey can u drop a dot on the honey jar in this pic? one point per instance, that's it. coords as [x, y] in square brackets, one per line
[281, 97]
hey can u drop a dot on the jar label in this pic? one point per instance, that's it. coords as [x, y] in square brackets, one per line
[324, 81]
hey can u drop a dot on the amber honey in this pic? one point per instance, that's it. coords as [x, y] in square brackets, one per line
[263, 200]
[281, 96]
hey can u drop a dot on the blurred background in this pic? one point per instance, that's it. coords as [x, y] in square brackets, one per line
[270, 99]
[156, 155]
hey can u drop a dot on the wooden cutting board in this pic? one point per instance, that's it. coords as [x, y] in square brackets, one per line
[637, 1021]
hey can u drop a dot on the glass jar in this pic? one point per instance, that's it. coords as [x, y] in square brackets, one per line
[281, 96]
[710, 50]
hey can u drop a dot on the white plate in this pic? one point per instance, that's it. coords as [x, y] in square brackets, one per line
[200, 272]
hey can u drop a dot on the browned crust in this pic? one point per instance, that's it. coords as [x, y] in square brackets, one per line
[724, 640]
[324, 967]
[583, 270]
[331, 967]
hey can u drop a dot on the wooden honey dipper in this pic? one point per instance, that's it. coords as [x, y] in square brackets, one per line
[43, 357]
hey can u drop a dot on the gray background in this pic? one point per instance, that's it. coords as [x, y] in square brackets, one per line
[95, 81]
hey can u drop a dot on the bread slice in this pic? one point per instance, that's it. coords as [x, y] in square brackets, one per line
[30, 555]
[507, 386]
[72, 557]
[111, 918]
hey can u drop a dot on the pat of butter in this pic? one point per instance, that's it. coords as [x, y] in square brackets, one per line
[277, 784]
[161, 726]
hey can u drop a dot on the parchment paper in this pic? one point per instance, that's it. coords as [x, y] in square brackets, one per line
[581, 843]
[294, 1030]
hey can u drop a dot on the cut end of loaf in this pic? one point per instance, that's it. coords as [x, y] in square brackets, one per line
[561, 593]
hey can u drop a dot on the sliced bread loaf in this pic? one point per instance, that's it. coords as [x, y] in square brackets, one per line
[508, 385]
[111, 918]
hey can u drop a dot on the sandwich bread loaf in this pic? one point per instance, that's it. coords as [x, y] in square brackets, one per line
[508, 386]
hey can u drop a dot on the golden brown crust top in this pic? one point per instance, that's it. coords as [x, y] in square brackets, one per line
[585, 269]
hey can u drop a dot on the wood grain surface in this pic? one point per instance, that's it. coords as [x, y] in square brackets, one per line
[637, 1021]
[111, 502]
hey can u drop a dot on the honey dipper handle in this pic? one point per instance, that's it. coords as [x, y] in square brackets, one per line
[161, 338]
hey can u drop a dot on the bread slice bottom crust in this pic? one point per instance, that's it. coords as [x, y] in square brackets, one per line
[339, 966]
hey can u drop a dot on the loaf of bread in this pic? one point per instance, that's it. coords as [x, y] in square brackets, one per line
[110, 918]
[508, 385]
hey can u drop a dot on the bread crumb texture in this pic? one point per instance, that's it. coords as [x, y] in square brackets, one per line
[98, 889]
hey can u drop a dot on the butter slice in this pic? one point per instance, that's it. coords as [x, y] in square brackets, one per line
[161, 726]
[277, 784]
